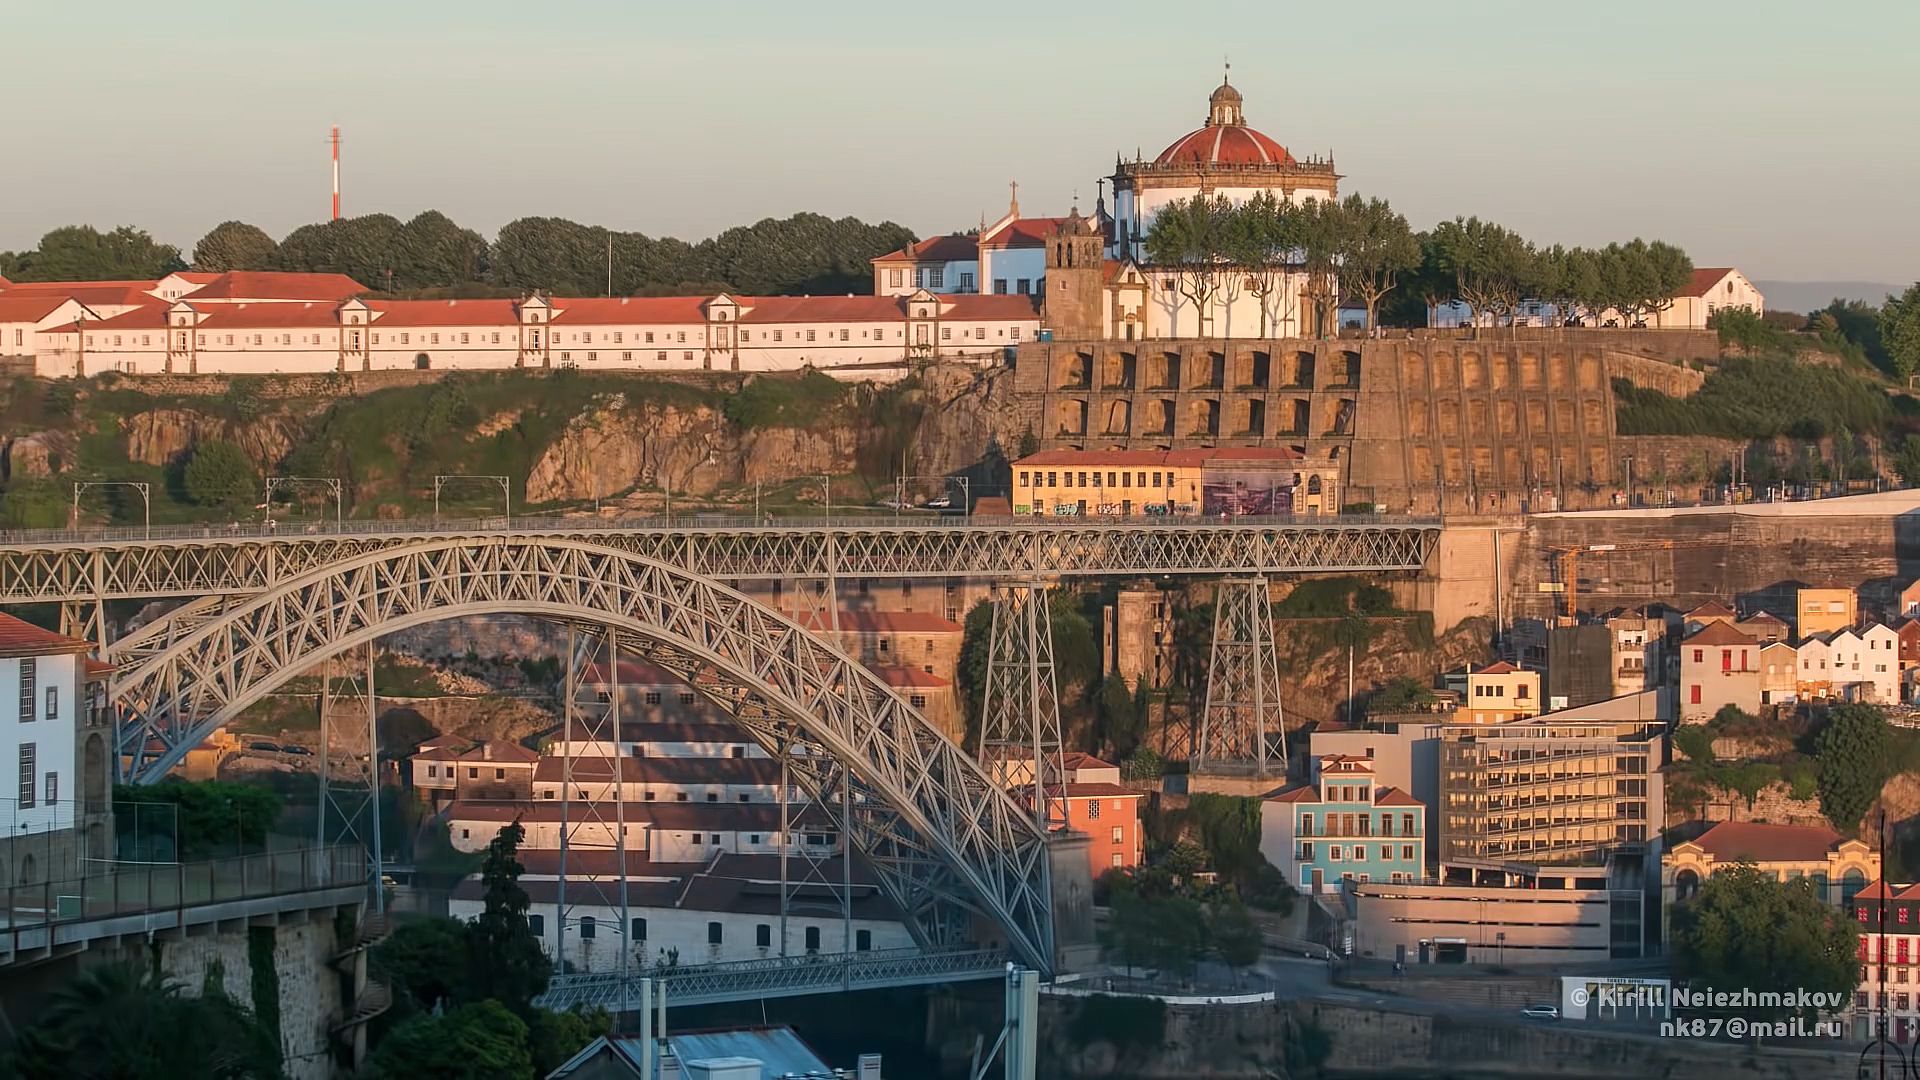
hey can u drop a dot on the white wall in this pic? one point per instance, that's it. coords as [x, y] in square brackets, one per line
[50, 732]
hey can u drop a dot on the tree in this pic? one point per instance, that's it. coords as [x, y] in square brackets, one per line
[122, 1022]
[219, 474]
[554, 1037]
[1165, 932]
[234, 245]
[1490, 267]
[1376, 247]
[1122, 723]
[1899, 331]
[481, 1041]
[1854, 750]
[1234, 936]
[1265, 246]
[1745, 930]
[1191, 237]
[1906, 461]
[504, 958]
[1321, 228]
[1695, 741]
[1400, 694]
[84, 253]
[202, 816]
[423, 962]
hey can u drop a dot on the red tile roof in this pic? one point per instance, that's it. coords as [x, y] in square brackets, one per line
[594, 768]
[1304, 793]
[1719, 633]
[1713, 609]
[276, 285]
[396, 313]
[97, 667]
[617, 310]
[1022, 233]
[21, 638]
[1703, 280]
[1078, 760]
[91, 294]
[1100, 790]
[501, 751]
[30, 308]
[634, 673]
[1393, 796]
[817, 309]
[909, 677]
[991, 306]
[1200, 456]
[1879, 890]
[1498, 667]
[61, 286]
[955, 247]
[1225, 144]
[1755, 841]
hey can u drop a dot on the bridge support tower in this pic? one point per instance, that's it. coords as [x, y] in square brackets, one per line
[1020, 743]
[349, 760]
[1242, 730]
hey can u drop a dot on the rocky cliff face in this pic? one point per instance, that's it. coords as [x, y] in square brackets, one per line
[967, 410]
[159, 436]
[36, 456]
[617, 445]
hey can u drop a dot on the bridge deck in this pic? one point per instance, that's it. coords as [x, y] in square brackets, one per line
[132, 563]
[791, 976]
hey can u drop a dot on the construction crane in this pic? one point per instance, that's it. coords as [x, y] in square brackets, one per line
[1567, 563]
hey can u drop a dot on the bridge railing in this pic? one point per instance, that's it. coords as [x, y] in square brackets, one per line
[149, 888]
[778, 976]
[300, 530]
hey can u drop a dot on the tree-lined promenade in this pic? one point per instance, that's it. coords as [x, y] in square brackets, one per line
[1360, 248]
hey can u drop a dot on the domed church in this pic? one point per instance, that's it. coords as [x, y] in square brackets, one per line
[1221, 157]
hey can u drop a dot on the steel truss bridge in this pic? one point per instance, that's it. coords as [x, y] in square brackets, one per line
[952, 849]
[778, 976]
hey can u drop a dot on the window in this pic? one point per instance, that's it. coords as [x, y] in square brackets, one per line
[1119, 835]
[715, 935]
[588, 928]
[653, 697]
[537, 923]
[473, 773]
[680, 336]
[763, 935]
[813, 939]
[862, 940]
[433, 771]
[436, 337]
[1093, 808]
[919, 701]
[1014, 333]
[1406, 852]
[843, 334]
[809, 335]
[639, 930]
[893, 278]
[936, 277]
[51, 789]
[1699, 656]
[776, 335]
[946, 333]
[1023, 286]
[1693, 694]
[686, 697]
[29, 674]
[1333, 852]
[1386, 851]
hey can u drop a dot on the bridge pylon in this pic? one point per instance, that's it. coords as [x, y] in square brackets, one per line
[1020, 743]
[1242, 729]
[593, 826]
[349, 760]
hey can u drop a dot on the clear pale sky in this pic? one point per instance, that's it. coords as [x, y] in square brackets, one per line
[1781, 137]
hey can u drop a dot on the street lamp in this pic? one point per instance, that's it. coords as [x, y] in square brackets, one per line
[441, 481]
[141, 486]
[331, 483]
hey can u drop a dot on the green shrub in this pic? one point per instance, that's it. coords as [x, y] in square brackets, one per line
[774, 401]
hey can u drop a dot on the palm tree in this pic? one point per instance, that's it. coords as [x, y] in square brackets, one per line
[119, 1022]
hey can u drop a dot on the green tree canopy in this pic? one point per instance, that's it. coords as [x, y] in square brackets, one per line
[84, 253]
[234, 245]
[1376, 247]
[211, 816]
[1490, 268]
[219, 474]
[1899, 331]
[1744, 930]
[504, 959]
[481, 1041]
[122, 1022]
[1854, 750]
[1233, 935]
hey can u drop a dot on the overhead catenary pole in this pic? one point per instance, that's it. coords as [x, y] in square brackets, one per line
[334, 139]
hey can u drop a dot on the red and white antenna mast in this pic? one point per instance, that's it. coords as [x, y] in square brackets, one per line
[335, 140]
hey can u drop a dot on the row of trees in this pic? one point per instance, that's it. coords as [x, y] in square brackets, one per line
[805, 253]
[1362, 248]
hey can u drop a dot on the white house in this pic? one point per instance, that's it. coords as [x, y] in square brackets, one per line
[55, 731]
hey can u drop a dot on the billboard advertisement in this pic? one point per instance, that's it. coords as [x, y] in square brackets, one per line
[1246, 492]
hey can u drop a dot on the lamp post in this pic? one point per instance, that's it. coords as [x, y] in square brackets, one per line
[331, 483]
[506, 490]
[141, 486]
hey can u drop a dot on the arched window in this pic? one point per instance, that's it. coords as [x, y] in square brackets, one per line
[1685, 884]
[422, 361]
[1851, 883]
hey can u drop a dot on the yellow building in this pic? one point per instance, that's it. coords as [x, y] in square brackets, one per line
[1205, 482]
[1825, 610]
[1495, 694]
[1838, 867]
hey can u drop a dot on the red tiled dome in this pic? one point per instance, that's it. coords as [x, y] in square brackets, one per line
[1225, 144]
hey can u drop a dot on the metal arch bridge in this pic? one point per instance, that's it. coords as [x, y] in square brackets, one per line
[947, 843]
[77, 566]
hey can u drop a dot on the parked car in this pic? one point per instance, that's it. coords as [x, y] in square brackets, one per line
[939, 502]
[292, 749]
[1541, 1012]
[264, 747]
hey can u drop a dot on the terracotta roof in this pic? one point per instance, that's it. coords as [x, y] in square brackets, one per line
[92, 295]
[30, 308]
[97, 667]
[1879, 890]
[195, 277]
[955, 247]
[21, 638]
[598, 768]
[1081, 760]
[1498, 667]
[1022, 233]
[1703, 280]
[277, 285]
[1225, 144]
[1393, 796]
[1199, 456]
[1100, 789]
[1732, 841]
[1719, 633]
[991, 306]
[909, 676]
[1305, 793]
[618, 310]
[4, 282]
[634, 673]
[103, 283]
[397, 313]
[501, 751]
[1713, 609]
[1911, 892]
[661, 815]
[880, 622]
[818, 309]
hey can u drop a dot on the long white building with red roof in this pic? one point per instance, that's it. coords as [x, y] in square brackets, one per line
[267, 323]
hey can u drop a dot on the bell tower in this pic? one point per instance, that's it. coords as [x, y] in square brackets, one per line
[1075, 286]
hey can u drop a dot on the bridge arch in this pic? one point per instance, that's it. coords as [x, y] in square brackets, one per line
[945, 841]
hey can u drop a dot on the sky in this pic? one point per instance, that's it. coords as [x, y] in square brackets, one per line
[1781, 137]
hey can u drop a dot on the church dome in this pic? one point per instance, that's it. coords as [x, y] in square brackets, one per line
[1226, 139]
